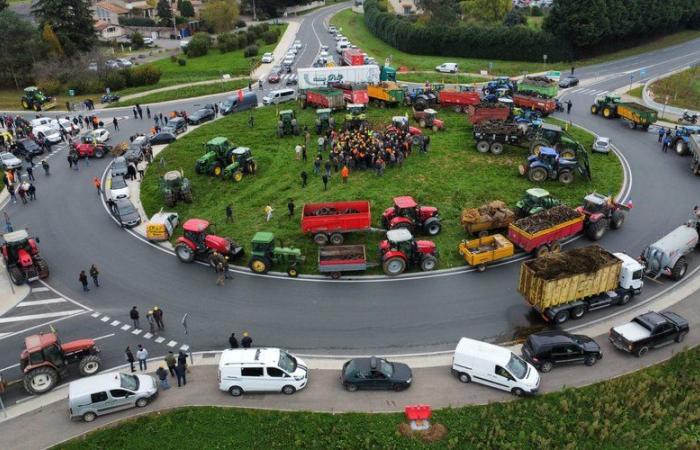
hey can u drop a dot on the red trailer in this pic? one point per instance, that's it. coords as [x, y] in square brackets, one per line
[353, 57]
[545, 240]
[354, 93]
[459, 100]
[328, 221]
[323, 98]
[543, 105]
[488, 111]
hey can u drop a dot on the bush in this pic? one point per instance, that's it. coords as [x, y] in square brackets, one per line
[240, 23]
[137, 40]
[115, 80]
[515, 16]
[173, 59]
[50, 86]
[182, 62]
[137, 22]
[144, 75]
[251, 50]
[227, 42]
[198, 46]
[536, 11]
[250, 37]
[269, 37]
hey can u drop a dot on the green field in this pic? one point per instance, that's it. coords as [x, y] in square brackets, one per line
[452, 176]
[186, 92]
[682, 89]
[655, 408]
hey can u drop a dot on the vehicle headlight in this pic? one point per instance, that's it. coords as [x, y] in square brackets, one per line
[409, 380]
[299, 378]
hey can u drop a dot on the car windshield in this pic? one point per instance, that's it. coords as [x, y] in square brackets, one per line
[118, 183]
[517, 366]
[287, 362]
[386, 368]
[130, 382]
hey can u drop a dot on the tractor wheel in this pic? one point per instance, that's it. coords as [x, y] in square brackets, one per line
[17, 276]
[394, 266]
[197, 169]
[292, 272]
[596, 230]
[555, 247]
[496, 148]
[432, 227]
[99, 153]
[260, 264]
[618, 219]
[237, 176]
[541, 251]
[184, 253]
[607, 112]
[337, 239]
[216, 170]
[679, 269]
[280, 132]
[43, 268]
[25, 104]
[537, 174]
[566, 177]
[320, 239]
[482, 146]
[535, 146]
[90, 365]
[681, 148]
[567, 153]
[428, 263]
[594, 109]
[40, 380]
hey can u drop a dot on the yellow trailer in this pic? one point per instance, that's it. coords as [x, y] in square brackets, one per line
[484, 250]
[386, 93]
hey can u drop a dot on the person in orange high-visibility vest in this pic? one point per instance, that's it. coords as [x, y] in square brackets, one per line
[345, 172]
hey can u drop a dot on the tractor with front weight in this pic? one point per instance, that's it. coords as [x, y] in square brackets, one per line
[265, 254]
[242, 163]
[287, 123]
[401, 250]
[356, 116]
[45, 360]
[549, 165]
[534, 201]
[175, 187]
[602, 213]
[407, 213]
[549, 135]
[219, 154]
[197, 241]
[324, 120]
[21, 257]
[34, 99]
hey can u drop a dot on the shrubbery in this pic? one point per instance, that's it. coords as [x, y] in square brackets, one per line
[251, 50]
[198, 46]
[270, 37]
[227, 42]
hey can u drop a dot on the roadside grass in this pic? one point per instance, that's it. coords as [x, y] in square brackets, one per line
[682, 89]
[653, 408]
[452, 176]
[636, 92]
[186, 92]
[434, 77]
[10, 100]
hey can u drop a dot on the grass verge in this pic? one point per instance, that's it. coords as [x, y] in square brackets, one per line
[636, 92]
[682, 89]
[452, 176]
[186, 92]
[654, 408]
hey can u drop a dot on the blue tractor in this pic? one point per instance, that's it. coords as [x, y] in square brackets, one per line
[549, 165]
[679, 140]
[501, 86]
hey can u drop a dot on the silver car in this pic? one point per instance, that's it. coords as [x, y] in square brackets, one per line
[109, 392]
[601, 144]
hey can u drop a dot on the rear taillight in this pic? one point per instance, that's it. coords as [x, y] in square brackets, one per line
[535, 360]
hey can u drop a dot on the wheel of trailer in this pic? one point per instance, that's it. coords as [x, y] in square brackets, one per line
[237, 176]
[607, 112]
[561, 317]
[546, 366]
[89, 416]
[578, 312]
[482, 146]
[428, 263]
[590, 360]
[142, 402]
[618, 219]
[17, 276]
[99, 153]
[537, 174]
[541, 251]
[625, 299]
[216, 169]
[681, 336]
[335, 275]
[184, 253]
[320, 239]
[90, 365]
[481, 267]
[496, 148]
[555, 247]
[292, 272]
[596, 230]
[642, 351]
[337, 239]
[681, 149]
[594, 109]
[394, 266]
[40, 380]
[566, 177]
[679, 269]
[260, 264]
[432, 227]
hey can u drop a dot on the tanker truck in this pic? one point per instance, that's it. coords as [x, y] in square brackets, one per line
[667, 256]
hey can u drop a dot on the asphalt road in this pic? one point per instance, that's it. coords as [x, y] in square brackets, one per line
[340, 317]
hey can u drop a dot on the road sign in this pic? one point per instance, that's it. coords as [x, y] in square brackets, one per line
[184, 322]
[642, 72]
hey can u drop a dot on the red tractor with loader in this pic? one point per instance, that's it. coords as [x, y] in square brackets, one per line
[21, 256]
[89, 147]
[45, 360]
[198, 242]
[601, 213]
[407, 213]
[401, 250]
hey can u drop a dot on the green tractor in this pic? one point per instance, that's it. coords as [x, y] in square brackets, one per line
[34, 99]
[287, 123]
[243, 164]
[606, 105]
[534, 201]
[219, 155]
[549, 135]
[265, 254]
[356, 116]
[324, 120]
[175, 187]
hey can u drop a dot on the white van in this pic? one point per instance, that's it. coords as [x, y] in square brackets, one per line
[279, 96]
[448, 68]
[494, 366]
[342, 45]
[109, 392]
[261, 370]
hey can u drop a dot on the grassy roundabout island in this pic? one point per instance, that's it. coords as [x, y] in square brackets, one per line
[452, 176]
[651, 409]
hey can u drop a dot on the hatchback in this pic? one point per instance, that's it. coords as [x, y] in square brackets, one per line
[549, 348]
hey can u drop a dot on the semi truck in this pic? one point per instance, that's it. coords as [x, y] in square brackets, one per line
[353, 57]
[667, 256]
[314, 77]
[322, 98]
[329, 221]
[569, 284]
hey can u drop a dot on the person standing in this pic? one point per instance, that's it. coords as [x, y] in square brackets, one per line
[151, 321]
[180, 373]
[142, 356]
[22, 194]
[162, 375]
[268, 213]
[141, 168]
[148, 112]
[304, 156]
[666, 144]
[661, 134]
[247, 341]
[229, 213]
[569, 104]
[158, 316]
[344, 173]
[11, 190]
[324, 178]
[220, 274]
[170, 361]
[83, 280]
[115, 122]
[290, 207]
[304, 177]
[297, 152]
[251, 120]
[98, 185]
[327, 166]
[317, 165]
[140, 111]
[30, 173]
[134, 315]
[232, 341]
[94, 273]
[130, 358]
[136, 114]
[216, 109]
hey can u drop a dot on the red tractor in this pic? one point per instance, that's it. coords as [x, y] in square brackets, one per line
[602, 213]
[45, 360]
[198, 242]
[400, 250]
[22, 259]
[89, 147]
[427, 118]
[406, 213]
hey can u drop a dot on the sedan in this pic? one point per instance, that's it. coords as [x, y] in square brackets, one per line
[292, 80]
[339, 37]
[124, 63]
[126, 213]
[601, 145]
[267, 58]
[119, 167]
[117, 187]
[9, 161]
[274, 76]
[101, 135]
[201, 115]
[332, 29]
[28, 147]
[298, 44]
[109, 98]
[375, 373]
[111, 64]
[165, 136]
[568, 81]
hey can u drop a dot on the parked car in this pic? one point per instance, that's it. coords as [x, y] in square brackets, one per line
[47, 134]
[332, 29]
[126, 213]
[109, 98]
[178, 124]
[26, 147]
[166, 135]
[68, 126]
[298, 44]
[184, 43]
[287, 63]
[94, 396]
[238, 102]
[274, 76]
[124, 63]
[119, 166]
[117, 187]
[112, 64]
[293, 80]
[9, 161]
[261, 370]
[201, 115]
[101, 135]
[148, 42]
[549, 348]
[134, 153]
[266, 58]
[447, 68]
[649, 330]
[339, 37]
[375, 373]
[92, 66]
[568, 81]
[601, 144]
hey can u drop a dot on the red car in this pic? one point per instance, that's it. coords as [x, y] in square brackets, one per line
[274, 76]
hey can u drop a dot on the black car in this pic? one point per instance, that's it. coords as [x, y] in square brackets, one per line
[136, 149]
[165, 136]
[177, 124]
[201, 115]
[375, 373]
[549, 348]
[568, 81]
[119, 167]
[26, 147]
[126, 213]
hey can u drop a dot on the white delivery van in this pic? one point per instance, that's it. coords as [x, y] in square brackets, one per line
[261, 370]
[494, 366]
[279, 96]
[109, 392]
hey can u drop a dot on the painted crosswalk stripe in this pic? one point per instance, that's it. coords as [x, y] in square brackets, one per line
[40, 316]
[137, 331]
[40, 289]
[147, 335]
[115, 323]
[184, 348]
[47, 301]
[159, 339]
[95, 314]
[125, 327]
[105, 318]
[172, 344]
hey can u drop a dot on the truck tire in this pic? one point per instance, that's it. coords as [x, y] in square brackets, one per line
[17, 276]
[596, 230]
[184, 253]
[641, 351]
[561, 317]
[618, 219]
[394, 266]
[90, 365]
[537, 174]
[43, 268]
[566, 177]
[482, 146]
[320, 239]
[679, 269]
[40, 380]
[681, 336]
[337, 239]
[594, 109]
[259, 264]
[428, 263]
[625, 299]
[496, 148]
[577, 312]
[546, 367]
[555, 247]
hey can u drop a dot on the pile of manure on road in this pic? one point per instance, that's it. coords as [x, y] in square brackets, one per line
[554, 266]
[546, 219]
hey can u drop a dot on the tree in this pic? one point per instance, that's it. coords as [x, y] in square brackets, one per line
[3, 5]
[199, 45]
[19, 40]
[50, 38]
[186, 9]
[515, 16]
[441, 12]
[71, 20]
[137, 40]
[220, 15]
[489, 11]
[165, 14]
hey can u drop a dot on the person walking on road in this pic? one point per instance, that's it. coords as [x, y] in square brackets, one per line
[94, 273]
[83, 280]
[290, 207]
[30, 173]
[151, 321]
[158, 316]
[170, 361]
[98, 185]
[569, 104]
[232, 341]
[229, 213]
[115, 122]
[136, 113]
[130, 358]
[148, 112]
[142, 356]
[162, 375]
[134, 315]
[247, 341]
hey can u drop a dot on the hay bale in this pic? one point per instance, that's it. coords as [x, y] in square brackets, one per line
[555, 266]
[546, 219]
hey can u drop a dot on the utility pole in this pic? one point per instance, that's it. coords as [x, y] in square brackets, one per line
[254, 16]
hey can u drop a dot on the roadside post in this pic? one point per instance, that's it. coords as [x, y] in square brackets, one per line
[187, 332]
[544, 58]
[663, 111]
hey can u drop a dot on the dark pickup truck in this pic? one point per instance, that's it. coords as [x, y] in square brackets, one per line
[649, 330]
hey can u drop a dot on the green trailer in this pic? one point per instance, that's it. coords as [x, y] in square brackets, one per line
[538, 86]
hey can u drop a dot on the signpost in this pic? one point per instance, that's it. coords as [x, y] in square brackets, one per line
[544, 57]
[187, 332]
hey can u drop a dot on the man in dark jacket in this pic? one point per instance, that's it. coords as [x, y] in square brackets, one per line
[158, 317]
[170, 361]
[134, 315]
[247, 341]
[232, 341]
[83, 280]
[130, 358]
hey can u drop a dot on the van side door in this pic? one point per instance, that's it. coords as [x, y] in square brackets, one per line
[123, 399]
[276, 378]
[252, 379]
[102, 403]
[502, 379]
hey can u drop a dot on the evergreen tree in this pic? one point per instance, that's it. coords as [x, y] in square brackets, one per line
[165, 14]
[71, 21]
[3, 4]
[186, 9]
[18, 39]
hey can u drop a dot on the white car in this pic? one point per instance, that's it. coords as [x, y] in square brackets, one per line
[288, 62]
[184, 44]
[332, 29]
[124, 63]
[340, 37]
[324, 48]
[447, 68]
[117, 187]
[9, 161]
[92, 66]
[267, 58]
[148, 42]
[324, 54]
[601, 144]
[68, 126]
[290, 55]
[101, 135]
[47, 132]
[292, 51]
[297, 44]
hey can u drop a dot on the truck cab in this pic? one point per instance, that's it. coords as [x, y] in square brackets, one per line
[631, 274]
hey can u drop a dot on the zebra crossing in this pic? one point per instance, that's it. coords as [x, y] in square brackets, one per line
[127, 327]
[587, 91]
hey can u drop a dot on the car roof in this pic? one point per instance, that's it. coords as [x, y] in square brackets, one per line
[123, 202]
[405, 201]
[95, 383]
[237, 356]
[483, 350]
[550, 337]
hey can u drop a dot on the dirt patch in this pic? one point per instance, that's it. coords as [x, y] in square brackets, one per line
[435, 433]
[555, 266]
[546, 219]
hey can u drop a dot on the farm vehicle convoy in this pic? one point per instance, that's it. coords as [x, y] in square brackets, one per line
[636, 115]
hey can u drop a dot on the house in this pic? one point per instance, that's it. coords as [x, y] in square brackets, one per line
[109, 31]
[109, 12]
[140, 9]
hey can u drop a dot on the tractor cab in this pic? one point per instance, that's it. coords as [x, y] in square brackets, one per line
[41, 348]
[550, 133]
[609, 99]
[401, 240]
[535, 200]
[549, 156]
[217, 156]
[287, 115]
[241, 154]
[265, 255]
[196, 230]
[406, 207]
[323, 114]
[595, 203]
[536, 195]
[218, 145]
[400, 122]
[263, 243]
[356, 109]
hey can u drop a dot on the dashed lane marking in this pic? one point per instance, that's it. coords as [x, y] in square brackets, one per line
[115, 323]
[48, 301]
[125, 327]
[95, 315]
[184, 348]
[105, 318]
[147, 335]
[137, 331]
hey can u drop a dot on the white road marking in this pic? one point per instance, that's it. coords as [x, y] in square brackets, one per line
[159, 339]
[40, 289]
[103, 337]
[172, 343]
[105, 318]
[40, 316]
[147, 335]
[115, 323]
[137, 331]
[125, 327]
[9, 367]
[66, 297]
[48, 301]
[95, 315]
[184, 348]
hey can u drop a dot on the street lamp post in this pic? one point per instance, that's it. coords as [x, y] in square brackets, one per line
[254, 16]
